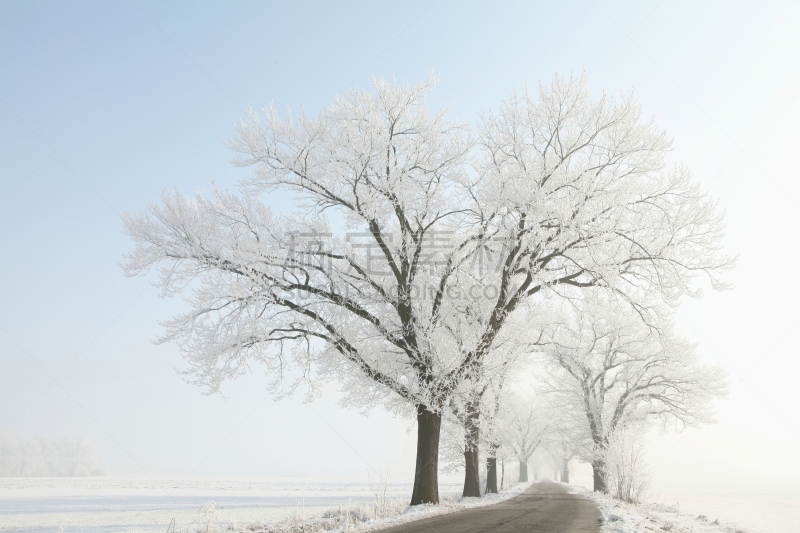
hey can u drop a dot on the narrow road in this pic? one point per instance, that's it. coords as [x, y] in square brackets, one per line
[543, 508]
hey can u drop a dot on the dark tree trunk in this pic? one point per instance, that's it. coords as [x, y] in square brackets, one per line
[523, 471]
[472, 480]
[502, 473]
[491, 475]
[599, 468]
[565, 471]
[426, 476]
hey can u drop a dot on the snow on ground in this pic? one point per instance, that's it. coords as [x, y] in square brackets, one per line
[620, 517]
[395, 513]
[111, 505]
[117, 505]
[760, 505]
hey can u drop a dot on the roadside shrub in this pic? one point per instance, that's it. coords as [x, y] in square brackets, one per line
[628, 476]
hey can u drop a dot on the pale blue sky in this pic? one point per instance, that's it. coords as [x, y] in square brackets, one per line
[136, 98]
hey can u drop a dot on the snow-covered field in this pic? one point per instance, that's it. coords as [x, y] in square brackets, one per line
[756, 507]
[100, 505]
[759, 507]
[621, 517]
[697, 511]
[105, 505]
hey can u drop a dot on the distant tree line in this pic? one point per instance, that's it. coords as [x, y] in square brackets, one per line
[24, 456]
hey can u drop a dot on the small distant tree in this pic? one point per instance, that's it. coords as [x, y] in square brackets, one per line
[620, 372]
[564, 444]
[451, 445]
[525, 429]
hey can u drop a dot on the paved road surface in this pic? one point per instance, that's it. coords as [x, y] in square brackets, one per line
[543, 508]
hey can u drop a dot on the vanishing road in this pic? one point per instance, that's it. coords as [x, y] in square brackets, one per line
[543, 508]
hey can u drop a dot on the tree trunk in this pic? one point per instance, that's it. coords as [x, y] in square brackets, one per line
[502, 473]
[599, 468]
[523, 471]
[426, 476]
[565, 471]
[472, 480]
[491, 475]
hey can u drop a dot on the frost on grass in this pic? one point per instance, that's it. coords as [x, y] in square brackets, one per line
[383, 513]
[620, 517]
[344, 518]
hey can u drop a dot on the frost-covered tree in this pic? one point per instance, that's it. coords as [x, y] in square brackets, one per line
[466, 412]
[443, 237]
[463, 443]
[460, 452]
[479, 402]
[494, 420]
[504, 458]
[525, 427]
[451, 445]
[460, 449]
[565, 442]
[620, 373]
